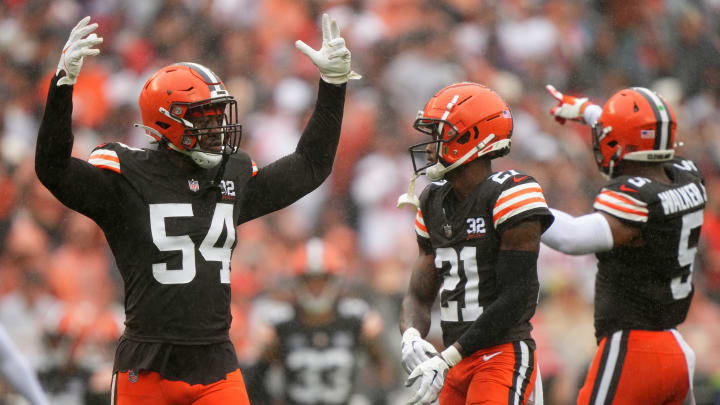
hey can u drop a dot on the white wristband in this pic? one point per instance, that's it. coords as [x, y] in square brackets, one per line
[451, 355]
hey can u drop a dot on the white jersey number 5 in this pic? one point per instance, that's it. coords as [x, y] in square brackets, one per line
[686, 254]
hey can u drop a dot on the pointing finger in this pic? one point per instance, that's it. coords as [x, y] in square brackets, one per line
[553, 92]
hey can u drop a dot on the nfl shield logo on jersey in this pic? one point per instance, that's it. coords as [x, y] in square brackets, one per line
[448, 230]
[132, 375]
[194, 185]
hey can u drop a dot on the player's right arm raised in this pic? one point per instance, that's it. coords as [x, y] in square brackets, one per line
[571, 108]
[72, 181]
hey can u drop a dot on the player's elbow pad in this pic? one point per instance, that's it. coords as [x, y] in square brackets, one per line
[578, 235]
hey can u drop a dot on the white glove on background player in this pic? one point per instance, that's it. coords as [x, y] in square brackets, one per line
[333, 58]
[415, 349]
[77, 47]
[432, 376]
[569, 107]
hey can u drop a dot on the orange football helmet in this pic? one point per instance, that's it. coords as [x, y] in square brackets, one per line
[636, 124]
[318, 267]
[466, 120]
[175, 97]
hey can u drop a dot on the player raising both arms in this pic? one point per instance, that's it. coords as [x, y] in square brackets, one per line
[478, 235]
[645, 231]
[169, 214]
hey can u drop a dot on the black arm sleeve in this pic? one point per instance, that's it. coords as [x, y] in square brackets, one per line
[76, 183]
[288, 179]
[517, 283]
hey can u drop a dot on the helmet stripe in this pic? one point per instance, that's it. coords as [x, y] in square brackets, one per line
[666, 109]
[315, 252]
[448, 108]
[206, 74]
[662, 116]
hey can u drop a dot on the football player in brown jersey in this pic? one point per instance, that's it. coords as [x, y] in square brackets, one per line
[644, 231]
[317, 331]
[478, 234]
[169, 214]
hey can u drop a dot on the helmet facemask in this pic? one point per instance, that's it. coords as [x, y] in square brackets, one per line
[433, 127]
[466, 121]
[210, 130]
[435, 170]
[599, 132]
[317, 293]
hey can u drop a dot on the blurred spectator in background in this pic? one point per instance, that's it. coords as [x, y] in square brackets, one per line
[15, 370]
[587, 47]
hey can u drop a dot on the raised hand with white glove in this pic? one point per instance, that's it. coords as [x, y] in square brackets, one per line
[569, 107]
[333, 58]
[80, 44]
[415, 349]
[432, 374]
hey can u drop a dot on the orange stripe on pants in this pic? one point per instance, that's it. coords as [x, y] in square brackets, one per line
[499, 375]
[637, 367]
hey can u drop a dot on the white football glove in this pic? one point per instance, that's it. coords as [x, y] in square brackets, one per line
[77, 47]
[432, 376]
[569, 107]
[415, 349]
[333, 58]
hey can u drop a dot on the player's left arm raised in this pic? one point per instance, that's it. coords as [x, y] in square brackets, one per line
[288, 179]
[74, 182]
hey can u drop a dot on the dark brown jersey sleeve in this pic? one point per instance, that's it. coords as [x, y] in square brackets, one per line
[76, 183]
[290, 178]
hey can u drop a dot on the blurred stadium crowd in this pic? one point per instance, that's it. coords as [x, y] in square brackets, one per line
[60, 295]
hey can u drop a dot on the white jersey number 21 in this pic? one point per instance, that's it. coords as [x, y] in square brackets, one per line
[470, 310]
